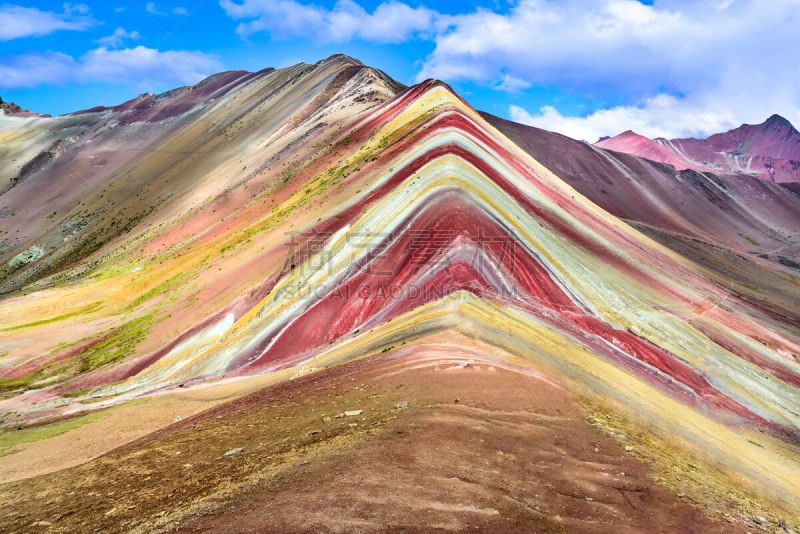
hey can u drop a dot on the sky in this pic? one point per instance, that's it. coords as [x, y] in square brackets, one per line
[584, 68]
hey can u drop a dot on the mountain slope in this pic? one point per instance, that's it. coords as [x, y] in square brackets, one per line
[340, 217]
[107, 169]
[741, 212]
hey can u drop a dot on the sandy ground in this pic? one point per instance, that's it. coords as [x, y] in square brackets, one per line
[479, 447]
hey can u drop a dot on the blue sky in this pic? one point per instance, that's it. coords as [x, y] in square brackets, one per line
[583, 67]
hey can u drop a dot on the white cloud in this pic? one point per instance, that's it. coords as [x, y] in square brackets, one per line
[70, 8]
[511, 84]
[658, 116]
[724, 63]
[118, 37]
[18, 21]
[148, 67]
[30, 70]
[390, 22]
[153, 9]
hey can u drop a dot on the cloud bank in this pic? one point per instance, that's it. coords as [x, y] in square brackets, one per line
[149, 67]
[390, 22]
[18, 21]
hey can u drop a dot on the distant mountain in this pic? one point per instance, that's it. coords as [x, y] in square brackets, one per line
[770, 150]
[630, 142]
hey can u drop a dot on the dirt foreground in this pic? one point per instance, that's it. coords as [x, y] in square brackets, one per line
[420, 439]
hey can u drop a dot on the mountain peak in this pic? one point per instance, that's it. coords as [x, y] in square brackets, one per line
[341, 57]
[776, 120]
[10, 108]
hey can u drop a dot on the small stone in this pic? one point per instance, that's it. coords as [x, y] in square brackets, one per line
[351, 413]
[312, 432]
[231, 452]
[327, 419]
[456, 401]
[628, 448]
[758, 520]
[179, 418]
[339, 415]
[400, 405]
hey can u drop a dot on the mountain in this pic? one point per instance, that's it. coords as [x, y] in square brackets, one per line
[312, 299]
[11, 109]
[770, 150]
[630, 142]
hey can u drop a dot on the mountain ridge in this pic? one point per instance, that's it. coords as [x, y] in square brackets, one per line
[770, 150]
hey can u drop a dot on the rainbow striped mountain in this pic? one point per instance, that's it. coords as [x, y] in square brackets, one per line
[312, 299]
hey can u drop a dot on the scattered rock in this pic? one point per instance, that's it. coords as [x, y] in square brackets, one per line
[231, 452]
[400, 405]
